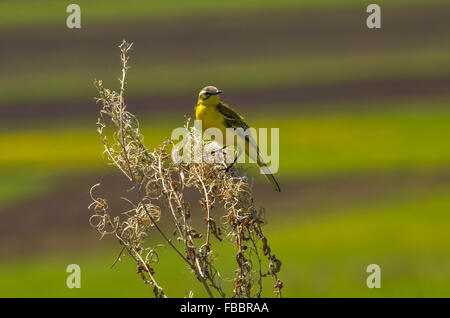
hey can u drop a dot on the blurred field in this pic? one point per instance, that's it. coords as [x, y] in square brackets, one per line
[322, 258]
[364, 123]
[48, 11]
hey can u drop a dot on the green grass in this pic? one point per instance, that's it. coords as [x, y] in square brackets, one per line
[51, 12]
[17, 184]
[323, 256]
[321, 143]
[350, 143]
[406, 239]
[259, 73]
[401, 136]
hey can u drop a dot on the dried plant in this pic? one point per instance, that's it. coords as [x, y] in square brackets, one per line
[160, 184]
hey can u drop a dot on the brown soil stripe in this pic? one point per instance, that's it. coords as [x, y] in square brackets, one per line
[305, 96]
[189, 40]
[57, 220]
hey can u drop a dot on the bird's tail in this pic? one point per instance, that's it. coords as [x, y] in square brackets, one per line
[267, 173]
[252, 150]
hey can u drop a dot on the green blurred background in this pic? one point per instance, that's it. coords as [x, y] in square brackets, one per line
[364, 122]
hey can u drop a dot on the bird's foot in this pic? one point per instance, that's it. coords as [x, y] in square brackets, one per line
[227, 169]
[213, 152]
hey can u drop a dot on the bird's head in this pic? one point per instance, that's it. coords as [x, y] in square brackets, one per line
[209, 95]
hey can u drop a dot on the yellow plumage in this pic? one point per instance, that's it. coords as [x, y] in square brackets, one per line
[215, 114]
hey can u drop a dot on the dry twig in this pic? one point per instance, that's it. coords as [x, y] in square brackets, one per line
[159, 183]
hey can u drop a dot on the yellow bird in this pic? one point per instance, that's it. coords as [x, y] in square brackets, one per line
[213, 113]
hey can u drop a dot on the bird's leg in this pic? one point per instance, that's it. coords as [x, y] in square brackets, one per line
[232, 164]
[214, 151]
[235, 159]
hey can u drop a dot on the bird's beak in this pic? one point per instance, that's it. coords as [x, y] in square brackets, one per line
[219, 92]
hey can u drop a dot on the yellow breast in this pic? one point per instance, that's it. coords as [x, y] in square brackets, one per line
[210, 117]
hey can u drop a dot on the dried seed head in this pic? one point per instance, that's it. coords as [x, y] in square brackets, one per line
[160, 184]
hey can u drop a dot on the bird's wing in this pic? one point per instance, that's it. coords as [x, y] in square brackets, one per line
[231, 117]
[233, 120]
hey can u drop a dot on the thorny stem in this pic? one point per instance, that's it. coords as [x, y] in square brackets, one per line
[241, 269]
[271, 260]
[197, 268]
[260, 266]
[150, 274]
[133, 179]
[154, 283]
[135, 184]
[152, 181]
[131, 175]
[208, 223]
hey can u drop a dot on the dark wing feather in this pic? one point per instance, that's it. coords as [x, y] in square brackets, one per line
[231, 118]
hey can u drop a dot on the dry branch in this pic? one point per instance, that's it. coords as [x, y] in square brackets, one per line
[160, 185]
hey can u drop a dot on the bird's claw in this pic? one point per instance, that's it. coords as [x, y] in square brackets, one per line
[227, 169]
